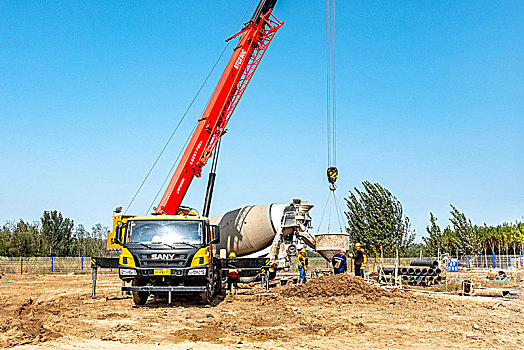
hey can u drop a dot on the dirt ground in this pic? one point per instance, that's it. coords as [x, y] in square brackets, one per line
[343, 312]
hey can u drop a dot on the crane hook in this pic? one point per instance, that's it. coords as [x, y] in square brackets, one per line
[332, 174]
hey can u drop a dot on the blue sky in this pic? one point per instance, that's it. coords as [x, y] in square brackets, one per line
[430, 105]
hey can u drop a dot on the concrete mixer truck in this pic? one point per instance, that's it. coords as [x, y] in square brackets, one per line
[174, 251]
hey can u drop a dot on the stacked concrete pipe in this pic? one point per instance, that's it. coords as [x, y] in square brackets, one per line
[420, 272]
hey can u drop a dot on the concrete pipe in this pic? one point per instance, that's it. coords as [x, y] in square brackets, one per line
[429, 263]
[388, 270]
[249, 229]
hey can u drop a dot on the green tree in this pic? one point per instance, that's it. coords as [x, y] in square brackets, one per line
[435, 241]
[414, 251]
[98, 239]
[25, 239]
[57, 231]
[467, 240]
[376, 219]
[5, 238]
[80, 241]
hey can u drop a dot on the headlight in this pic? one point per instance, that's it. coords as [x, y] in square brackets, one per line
[127, 272]
[196, 272]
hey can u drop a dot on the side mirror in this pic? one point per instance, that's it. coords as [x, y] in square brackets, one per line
[118, 234]
[215, 231]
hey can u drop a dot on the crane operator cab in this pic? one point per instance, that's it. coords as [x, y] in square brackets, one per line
[167, 255]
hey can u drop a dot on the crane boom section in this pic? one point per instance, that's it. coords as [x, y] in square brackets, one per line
[254, 40]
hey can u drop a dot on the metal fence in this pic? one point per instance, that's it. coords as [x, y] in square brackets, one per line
[470, 262]
[43, 265]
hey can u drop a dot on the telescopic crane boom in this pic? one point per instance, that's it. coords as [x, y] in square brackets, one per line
[254, 40]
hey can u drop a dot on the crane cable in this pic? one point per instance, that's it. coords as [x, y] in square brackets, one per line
[331, 118]
[180, 122]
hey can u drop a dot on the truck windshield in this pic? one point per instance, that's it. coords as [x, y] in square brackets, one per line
[165, 231]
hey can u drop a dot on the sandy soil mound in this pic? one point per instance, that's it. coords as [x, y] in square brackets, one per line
[337, 286]
[26, 325]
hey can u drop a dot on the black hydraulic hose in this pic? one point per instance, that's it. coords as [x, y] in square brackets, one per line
[418, 272]
[424, 272]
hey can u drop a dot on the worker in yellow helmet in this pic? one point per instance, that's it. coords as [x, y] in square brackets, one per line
[232, 276]
[360, 260]
[302, 265]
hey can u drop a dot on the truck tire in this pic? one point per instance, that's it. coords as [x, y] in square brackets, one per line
[139, 298]
[206, 297]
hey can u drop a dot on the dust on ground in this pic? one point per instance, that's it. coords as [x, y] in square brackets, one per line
[44, 312]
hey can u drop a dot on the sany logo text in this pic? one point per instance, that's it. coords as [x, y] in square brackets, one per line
[162, 256]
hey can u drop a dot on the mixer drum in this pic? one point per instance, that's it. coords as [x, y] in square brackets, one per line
[248, 229]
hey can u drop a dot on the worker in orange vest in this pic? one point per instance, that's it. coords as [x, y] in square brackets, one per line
[232, 276]
[302, 265]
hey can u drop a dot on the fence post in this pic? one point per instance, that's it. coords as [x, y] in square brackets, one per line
[52, 267]
[469, 263]
[82, 264]
[399, 260]
[494, 260]
[21, 265]
[351, 264]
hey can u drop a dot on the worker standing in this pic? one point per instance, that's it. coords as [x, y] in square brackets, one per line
[360, 261]
[302, 265]
[339, 262]
[232, 276]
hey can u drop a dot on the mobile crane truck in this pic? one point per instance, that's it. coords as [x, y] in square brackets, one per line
[173, 251]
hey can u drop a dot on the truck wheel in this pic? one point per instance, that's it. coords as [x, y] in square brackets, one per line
[206, 297]
[139, 298]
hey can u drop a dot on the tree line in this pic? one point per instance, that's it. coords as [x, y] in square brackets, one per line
[462, 237]
[375, 218]
[53, 235]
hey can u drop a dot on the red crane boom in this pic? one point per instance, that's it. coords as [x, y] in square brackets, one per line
[254, 40]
